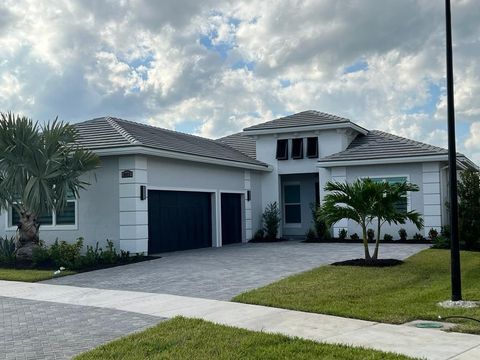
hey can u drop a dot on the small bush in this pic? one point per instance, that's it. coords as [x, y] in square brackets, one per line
[441, 242]
[446, 232]
[342, 234]
[387, 237]
[7, 250]
[64, 254]
[259, 235]
[418, 237]
[271, 221]
[354, 237]
[109, 255]
[310, 235]
[41, 257]
[370, 234]
[321, 226]
[403, 234]
[432, 234]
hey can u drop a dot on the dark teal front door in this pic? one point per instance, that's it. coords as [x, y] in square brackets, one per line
[178, 220]
[231, 218]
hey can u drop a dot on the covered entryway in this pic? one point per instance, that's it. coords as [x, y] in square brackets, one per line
[178, 220]
[231, 218]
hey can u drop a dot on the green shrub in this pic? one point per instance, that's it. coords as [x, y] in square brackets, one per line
[445, 232]
[7, 251]
[109, 255]
[387, 237]
[403, 234]
[271, 221]
[354, 237]
[441, 242]
[319, 222]
[432, 234]
[469, 209]
[41, 257]
[370, 234]
[259, 235]
[418, 237]
[65, 254]
[310, 236]
[342, 234]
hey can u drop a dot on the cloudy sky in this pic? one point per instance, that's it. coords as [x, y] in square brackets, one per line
[213, 67]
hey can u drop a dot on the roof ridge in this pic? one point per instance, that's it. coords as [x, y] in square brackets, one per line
[114, 124]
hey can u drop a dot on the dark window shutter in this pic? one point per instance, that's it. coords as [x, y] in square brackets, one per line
[282, 149]
[297, 148]
[312, 147]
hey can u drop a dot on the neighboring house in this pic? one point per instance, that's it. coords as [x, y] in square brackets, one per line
[159, 190]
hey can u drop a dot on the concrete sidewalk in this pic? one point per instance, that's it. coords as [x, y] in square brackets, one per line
[422, 343]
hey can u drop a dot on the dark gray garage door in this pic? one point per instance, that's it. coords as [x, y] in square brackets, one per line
[178, 220]
[231, 218]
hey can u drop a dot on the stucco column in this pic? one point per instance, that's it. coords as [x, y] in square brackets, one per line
[432, 208]
[132, 172]
[339, 174]
[248, 207]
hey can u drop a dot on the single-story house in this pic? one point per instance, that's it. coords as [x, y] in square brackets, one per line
[159, 190]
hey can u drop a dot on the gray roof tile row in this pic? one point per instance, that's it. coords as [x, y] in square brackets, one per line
[108, 132]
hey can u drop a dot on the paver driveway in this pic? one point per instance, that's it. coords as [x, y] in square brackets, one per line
[221, 273]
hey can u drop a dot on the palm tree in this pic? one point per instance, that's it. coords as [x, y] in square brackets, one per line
[353, 201]
[385, 208]
[39, 167]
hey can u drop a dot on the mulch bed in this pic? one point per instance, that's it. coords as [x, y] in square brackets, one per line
[369, 263]
[349, 241]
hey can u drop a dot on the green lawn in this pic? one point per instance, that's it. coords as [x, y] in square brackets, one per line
[392, 295]
[188, 339]
[29, 275]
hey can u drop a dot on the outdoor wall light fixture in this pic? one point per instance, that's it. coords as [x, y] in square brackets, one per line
[143, 192]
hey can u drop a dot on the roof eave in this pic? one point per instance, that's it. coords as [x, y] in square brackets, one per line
[386, 160]
[145, 150]
[290, 129]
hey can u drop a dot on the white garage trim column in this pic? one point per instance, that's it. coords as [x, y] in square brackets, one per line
[339, 174]
[432, 207]
[133, 211]
[248, 208]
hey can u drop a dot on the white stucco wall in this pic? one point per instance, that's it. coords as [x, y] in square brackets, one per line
[329, 142]
[427, 201]
[97, 207]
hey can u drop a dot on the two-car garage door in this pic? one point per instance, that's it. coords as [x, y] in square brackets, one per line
[181, 220]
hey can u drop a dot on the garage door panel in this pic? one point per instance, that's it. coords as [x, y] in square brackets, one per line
[179, 220]
[231, 218]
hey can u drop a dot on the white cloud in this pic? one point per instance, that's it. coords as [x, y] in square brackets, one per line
[144, 60]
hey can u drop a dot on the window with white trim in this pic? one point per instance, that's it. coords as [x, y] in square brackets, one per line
[293, 209]
[402, 205]
[65, 218]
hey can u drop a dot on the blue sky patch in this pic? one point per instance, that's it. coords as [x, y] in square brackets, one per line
[360, 65]
[188, 126]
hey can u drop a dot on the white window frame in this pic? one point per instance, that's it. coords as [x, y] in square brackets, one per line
[284, 207]
[386, 177]
[9, 226]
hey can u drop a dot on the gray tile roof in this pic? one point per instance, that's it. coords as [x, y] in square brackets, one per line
[380, 145]
[244, 144]
[108, 132]
[304, 118]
